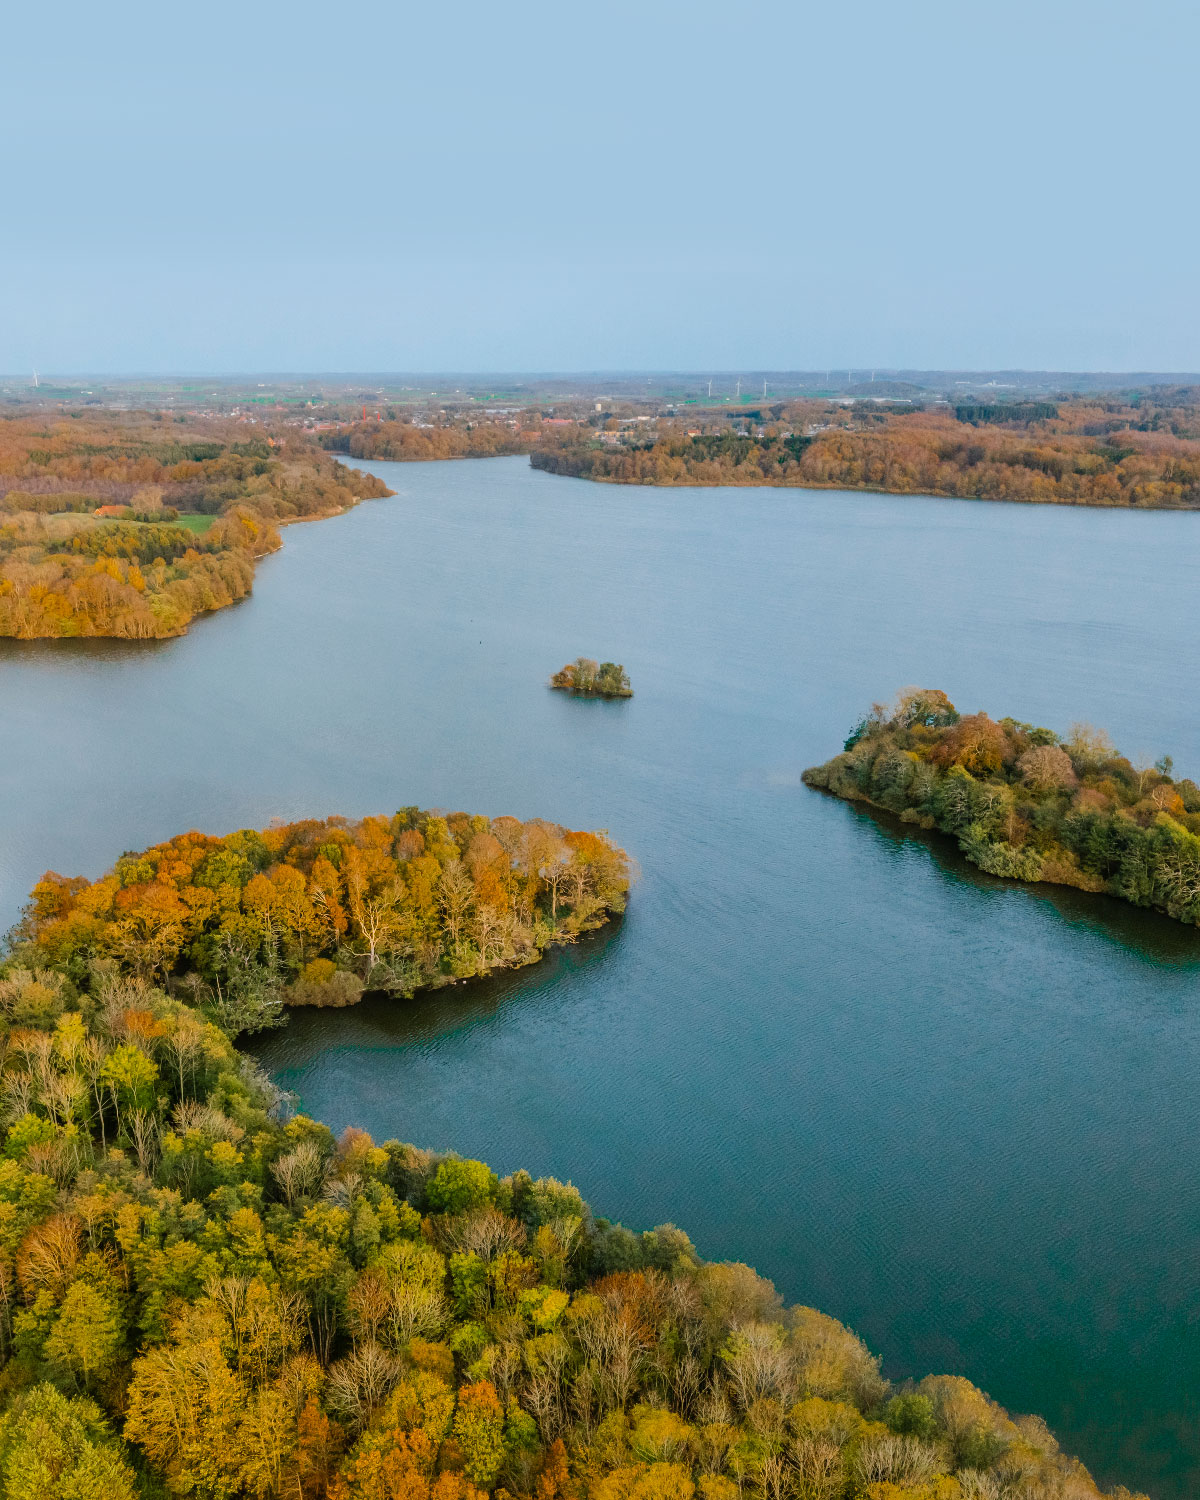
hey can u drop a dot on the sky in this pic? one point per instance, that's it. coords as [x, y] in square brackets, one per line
[528, 186]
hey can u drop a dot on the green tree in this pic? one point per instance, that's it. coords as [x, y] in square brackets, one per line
[130, 1077]
[459, 1186]
[911, 1414]
[86, 1338]
[56, 1446]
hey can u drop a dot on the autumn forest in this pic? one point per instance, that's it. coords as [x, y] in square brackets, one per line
[1142, 451]
[1027, 803]
[203, 1294]
[130, 525]
[315, 913]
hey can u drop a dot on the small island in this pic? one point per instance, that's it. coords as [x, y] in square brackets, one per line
[1026, 803]
[586, 678]
[321, 911]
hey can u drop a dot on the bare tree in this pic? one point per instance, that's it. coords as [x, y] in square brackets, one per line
[617, 1343]
[94, 1054]
[360, 1383]
[144, 1131]
[455, 895]
[413, 1311]
[759, 1365]
[489, 929]
[300, 1172]
[184, 1044]
[486, 1233]
[895, 1458]
[553, 872]
[982, 1484]
[775, 1476]
[818, 1468]
[17, 1093]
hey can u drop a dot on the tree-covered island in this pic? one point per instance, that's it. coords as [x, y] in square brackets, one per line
[1027, 803]
[593, 679]
[203, 1295]
[317, 912]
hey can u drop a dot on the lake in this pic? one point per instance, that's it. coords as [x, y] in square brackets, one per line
[959, 1114]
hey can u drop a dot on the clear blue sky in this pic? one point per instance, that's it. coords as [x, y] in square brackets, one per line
[534, 186]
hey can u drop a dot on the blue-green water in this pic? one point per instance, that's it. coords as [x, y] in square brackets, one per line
[960, 1115]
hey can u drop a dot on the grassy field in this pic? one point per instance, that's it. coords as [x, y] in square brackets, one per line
[197, 523]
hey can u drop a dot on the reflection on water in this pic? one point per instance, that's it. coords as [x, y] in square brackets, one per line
[958, 1113]
[380, 1020]
[1135, 930]
[73, 652]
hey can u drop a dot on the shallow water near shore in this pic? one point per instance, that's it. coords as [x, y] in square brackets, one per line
[960, 1114]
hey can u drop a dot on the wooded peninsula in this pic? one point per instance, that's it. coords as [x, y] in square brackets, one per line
[318, 912]
[1140, 450]
[203, 1294]
[130, 524]
[1026, 803]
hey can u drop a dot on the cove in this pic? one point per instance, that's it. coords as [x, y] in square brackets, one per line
[959, 1114]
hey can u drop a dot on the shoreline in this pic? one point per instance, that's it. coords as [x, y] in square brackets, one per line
[256, 558]
[451, 981]
[860, 489]
[927, 825]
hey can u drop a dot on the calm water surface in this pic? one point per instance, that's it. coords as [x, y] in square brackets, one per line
[959, 1114]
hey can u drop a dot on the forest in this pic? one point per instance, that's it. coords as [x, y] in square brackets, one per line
[472, 436]
[1026, 803]
[206, 1295]
[593, 679]
[119, 524]
[318, 912]
[1119, 452]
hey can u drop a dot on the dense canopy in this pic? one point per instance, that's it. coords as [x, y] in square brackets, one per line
[1027, 803]
[314, 913]
[121, 524]
[204, 1295]
[1142, 450]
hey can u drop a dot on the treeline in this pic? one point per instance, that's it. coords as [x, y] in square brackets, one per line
[108, 581]
[1026, 803]
[725, 458]
[67, 572]
[314, 913]
[202, 1297]
[1005, 413]
[1069, 453]
[48, 503]
[406, 441]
